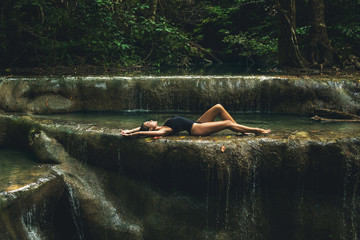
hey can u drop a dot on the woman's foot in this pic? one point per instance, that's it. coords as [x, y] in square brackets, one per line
[262, 131]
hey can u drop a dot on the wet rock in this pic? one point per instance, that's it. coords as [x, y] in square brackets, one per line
[299, 135]
[13, 131]
[285, 185]
[99, 214]
[35, 95]
[266, 177]
[182, 93]
[47, 150]
[49, 104]
[192, 158]
[29, 212]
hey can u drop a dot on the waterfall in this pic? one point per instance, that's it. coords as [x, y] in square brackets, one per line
[207, 195]
[228, 182]
[248, 205]
[232, 208]
[120, 163]
[254, 175]
[349, 202]
[83, 151]
[86, 186]
[30, 224]
[300, 201]
[75, 212]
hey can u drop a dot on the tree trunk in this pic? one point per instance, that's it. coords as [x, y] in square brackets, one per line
[320, 50]
[289, 53]
[153, 10]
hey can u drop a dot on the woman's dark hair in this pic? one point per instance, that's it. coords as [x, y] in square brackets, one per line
[143, 128]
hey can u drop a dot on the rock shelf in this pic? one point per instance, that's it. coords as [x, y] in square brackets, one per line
[290, 184]
[178, 93]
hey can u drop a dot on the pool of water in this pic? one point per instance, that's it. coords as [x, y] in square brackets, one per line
[276, 122]
[19, 169]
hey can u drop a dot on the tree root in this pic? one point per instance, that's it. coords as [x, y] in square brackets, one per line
[335, 116]
[317, 118]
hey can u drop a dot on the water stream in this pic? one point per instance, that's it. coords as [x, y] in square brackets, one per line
[284, 123]
[19, 169]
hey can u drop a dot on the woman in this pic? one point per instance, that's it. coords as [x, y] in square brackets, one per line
[205, 125]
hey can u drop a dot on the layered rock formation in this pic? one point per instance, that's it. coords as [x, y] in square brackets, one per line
[186, 93]
[297, 185]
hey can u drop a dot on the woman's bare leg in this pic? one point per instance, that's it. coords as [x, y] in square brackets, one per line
[211, 114]
[208, 128]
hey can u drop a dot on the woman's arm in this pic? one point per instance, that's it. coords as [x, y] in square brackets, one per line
[130, 130]
[161, 132]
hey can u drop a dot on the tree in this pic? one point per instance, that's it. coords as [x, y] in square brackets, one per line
[153, 10]
[320, 50]
[289, 53]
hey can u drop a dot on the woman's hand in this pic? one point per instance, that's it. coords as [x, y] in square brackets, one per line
[125, 131]
[130, 134]
[127, 134]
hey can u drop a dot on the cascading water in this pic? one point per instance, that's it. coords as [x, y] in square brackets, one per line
[120, 163]
[85, 185]
[350, 201]
[75, 212]
[228, 183]
[83, 152]
[249, 210]
[31, 226]
[233, 208]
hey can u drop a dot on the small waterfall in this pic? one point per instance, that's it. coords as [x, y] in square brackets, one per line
[207, 174]
[353, 214]
[233, 209]
[140, 100]
[350, 202]
[249, 211]
[30, 224]
[120, 163]
[214, 197]
[88, 186]
[300, 195]
[75, 212]
[83, 151]
[79, 148]
[228, 182]
[253, 196]
[88, 196]
[344, 200]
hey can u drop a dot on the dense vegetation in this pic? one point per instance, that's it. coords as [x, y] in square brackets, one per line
[159, 32]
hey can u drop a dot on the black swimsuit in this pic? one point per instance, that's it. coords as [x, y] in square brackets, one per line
[178, 124]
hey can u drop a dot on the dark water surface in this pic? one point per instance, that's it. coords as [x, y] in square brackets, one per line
[276, 122]
[19, 169]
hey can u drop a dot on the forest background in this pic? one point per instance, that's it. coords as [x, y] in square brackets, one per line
[180, 33]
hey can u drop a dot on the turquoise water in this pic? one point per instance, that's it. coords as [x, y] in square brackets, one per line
[18, 169]
[276, 122]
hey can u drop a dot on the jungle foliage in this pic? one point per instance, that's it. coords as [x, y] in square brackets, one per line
[158, 32]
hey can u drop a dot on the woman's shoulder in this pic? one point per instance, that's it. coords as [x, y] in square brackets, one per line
[166, 129]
